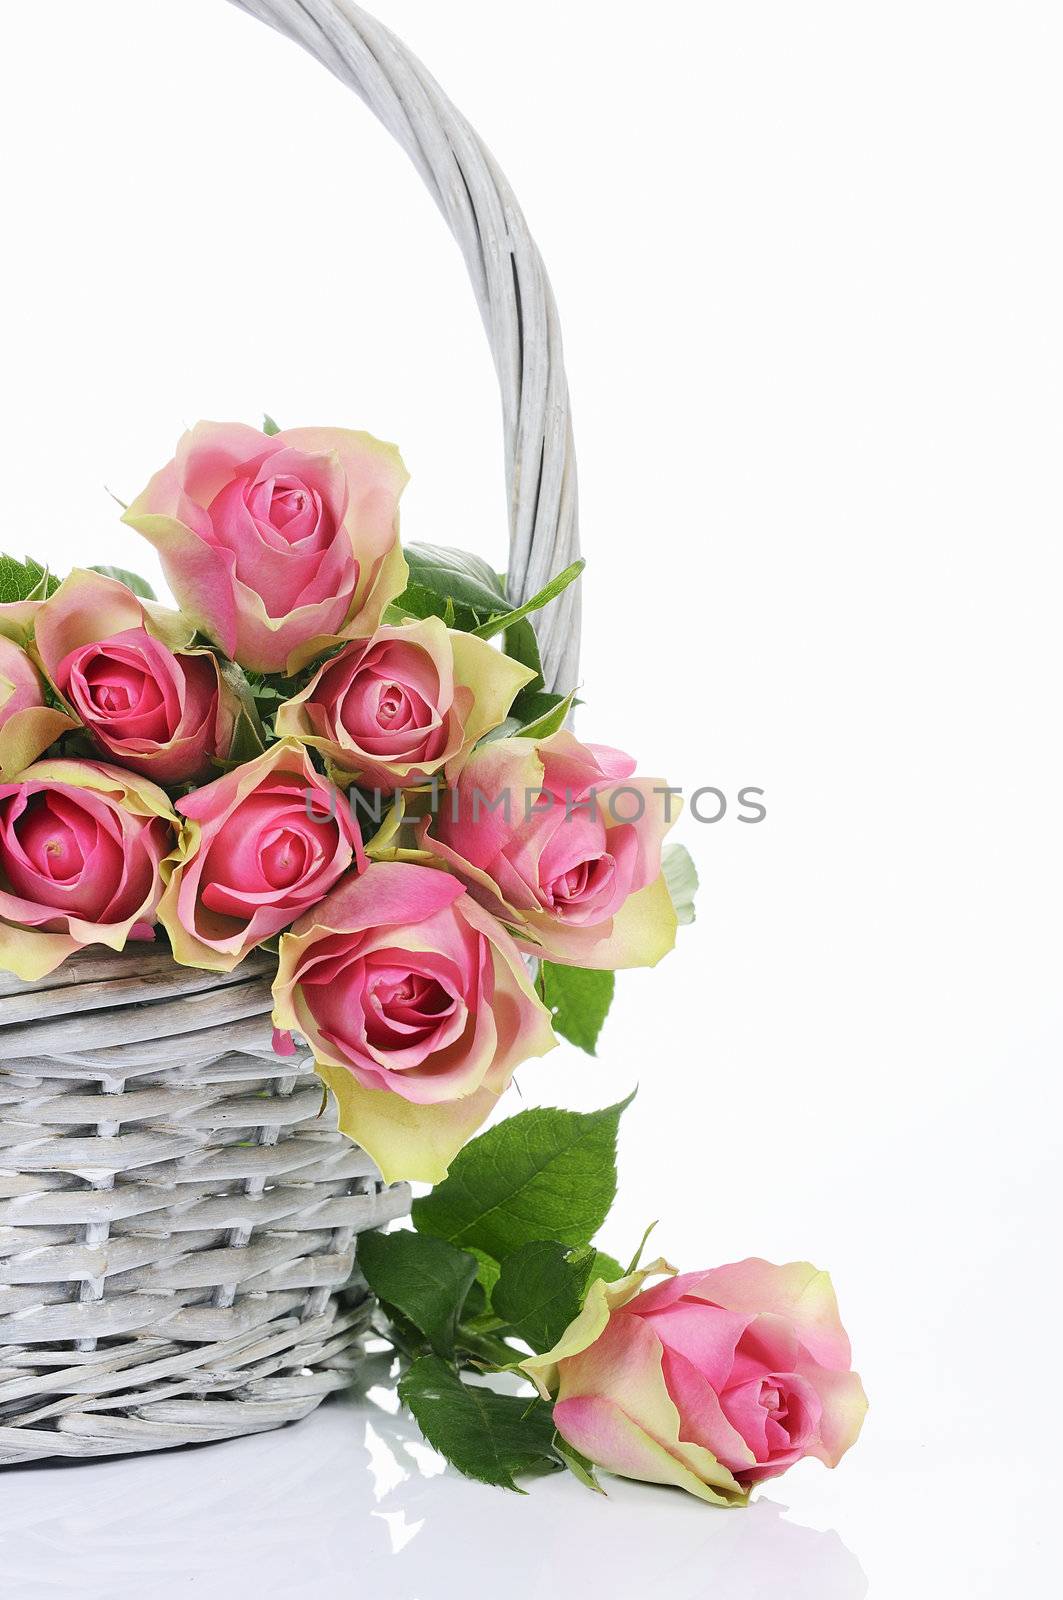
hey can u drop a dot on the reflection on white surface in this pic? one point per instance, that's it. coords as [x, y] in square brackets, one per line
[351, 1500]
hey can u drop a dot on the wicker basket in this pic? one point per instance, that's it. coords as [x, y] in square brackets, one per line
[177, 1210]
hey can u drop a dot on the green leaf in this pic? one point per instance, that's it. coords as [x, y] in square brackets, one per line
[681, 877]
[543, 1174]
[455, 575]
[416, 601]
[555, 587]
[487, 1436]
[579, 1000]
[247, 741]
[24, 580]
[541, 1289]
[140, 586]
[550, 720]
[522, 644]
[583, 1469]
[487, 1270]
[534, 716]
[269, 426]
[605, 1266]
[425, 1279]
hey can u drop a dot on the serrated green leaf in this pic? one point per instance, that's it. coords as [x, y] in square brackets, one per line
[555, 587]
[455, 575]
[487, 1436]
[580, 1001]
[140, 586]
[269, 426]
[24, 580]
[425, 1279]
[681, 876]
[543, 1174]
[541, 1289]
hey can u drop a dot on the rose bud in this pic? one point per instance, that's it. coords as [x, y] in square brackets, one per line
[81, 849]
[404, 705]
[564, 842]
[27, 725]
[712, 1381]
[126, 671]
[418, 1008]
[277, 547]
[261, 845]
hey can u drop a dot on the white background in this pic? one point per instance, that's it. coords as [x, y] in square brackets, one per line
[808, 260]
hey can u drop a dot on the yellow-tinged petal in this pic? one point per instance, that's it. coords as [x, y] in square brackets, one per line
[187, 950]
[27, 735]
[139, 795]
[31, 955]
[614, 1441]
[381, 845]
[620, 1375]
[603, 1298]
[17, 618]
[171, 628]
[415, 1142]
[643, 932]
[495, 680]
[844, 1410]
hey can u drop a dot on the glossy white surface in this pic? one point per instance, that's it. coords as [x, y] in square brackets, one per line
[352, 1502]
[808, 260]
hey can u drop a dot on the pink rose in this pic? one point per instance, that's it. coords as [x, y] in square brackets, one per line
[261, 845]
[125, 670]
[417, 1007]
[397, 708]
[27, 725]
[713, 1381]
[278, 547]
[81, 849]
[563, 840]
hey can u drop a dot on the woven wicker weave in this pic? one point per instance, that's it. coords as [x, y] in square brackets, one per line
[177, 1210]
[176, 1213]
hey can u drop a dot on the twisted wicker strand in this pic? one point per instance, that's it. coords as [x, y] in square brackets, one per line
[508, 278]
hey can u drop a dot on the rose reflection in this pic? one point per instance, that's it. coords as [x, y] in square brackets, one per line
[353, 1498]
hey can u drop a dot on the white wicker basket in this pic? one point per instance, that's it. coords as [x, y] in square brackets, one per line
[177, 1213]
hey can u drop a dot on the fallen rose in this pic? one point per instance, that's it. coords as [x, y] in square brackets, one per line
[712, 1381]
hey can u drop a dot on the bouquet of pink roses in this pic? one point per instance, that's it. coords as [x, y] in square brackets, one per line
[346, 752]
[327, 739]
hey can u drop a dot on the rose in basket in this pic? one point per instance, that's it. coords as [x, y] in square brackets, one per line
[344, 753]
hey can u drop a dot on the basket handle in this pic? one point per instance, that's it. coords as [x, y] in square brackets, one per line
[512, 289]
